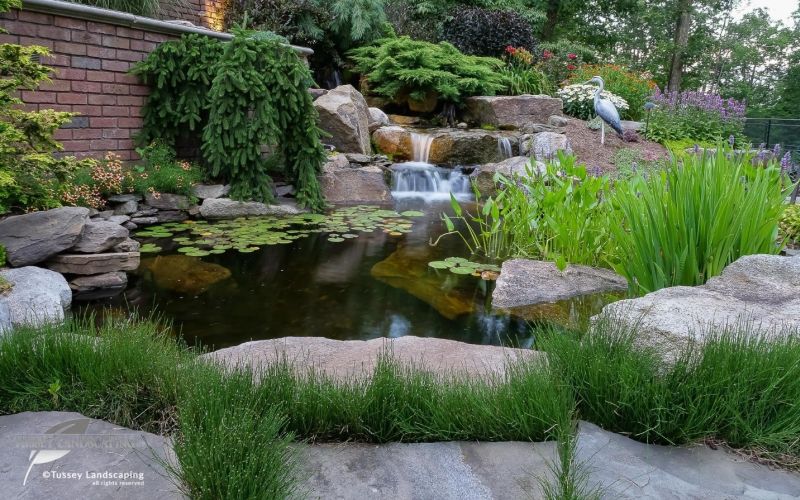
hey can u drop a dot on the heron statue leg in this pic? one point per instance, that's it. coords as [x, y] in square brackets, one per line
[602, 133]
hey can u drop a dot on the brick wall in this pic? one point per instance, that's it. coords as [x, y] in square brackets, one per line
[207, 13]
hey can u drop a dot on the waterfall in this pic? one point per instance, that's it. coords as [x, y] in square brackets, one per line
[421, 180]
[504, 147]
[421, 147]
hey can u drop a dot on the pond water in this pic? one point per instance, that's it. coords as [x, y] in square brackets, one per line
[354, 276]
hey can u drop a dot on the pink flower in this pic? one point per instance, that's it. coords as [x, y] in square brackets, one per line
[572, 56]
[511, 50]
[571, 67]
[547, 54]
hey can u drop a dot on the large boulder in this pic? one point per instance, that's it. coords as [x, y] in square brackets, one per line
[98, 236]
[524, 282]
[759, 293]
[342, 184]
[377, 119]
[344, 114]
[208, 191]
[512, 111]
[516, 166]
[96, 263]
[447, 146]
[349, 358]
[35, 237]
[545, 146]
[225, 208]
[37, 296]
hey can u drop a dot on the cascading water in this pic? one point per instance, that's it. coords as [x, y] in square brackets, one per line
[420, 179]
[504, 147]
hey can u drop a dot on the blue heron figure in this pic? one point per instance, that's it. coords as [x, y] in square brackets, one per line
[605, 109]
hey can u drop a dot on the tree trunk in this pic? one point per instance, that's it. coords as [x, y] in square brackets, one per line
[682, 25]
[549, 29]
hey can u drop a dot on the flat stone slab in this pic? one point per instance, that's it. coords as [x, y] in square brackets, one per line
[70, 451]
[347, 358]
[225, 208]
[96, 263]
[441, 471]
[622, 468]
[759, 291]
[524, 282]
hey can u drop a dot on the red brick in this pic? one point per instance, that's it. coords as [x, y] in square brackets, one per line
[53, 33]
[27, 41]
[99, 76]
[87, 133]
[71, 74]
[56, 86]
[117, 133]
[126, 78]
[37, 97]
[24, 29]
[62, 134]
[87, 37]
[103, 28]
[116, 111]
[86, 62]
[130, 100]
[116, 89]
[130, 33]
[140, 90]
[8, 38]
[143, 46]
[57, 107]
[126, 154]
[87, 87]
[35, 17]
[57, 60]
[121, 66]
[156, 37]
[136, 111]
[125, 144]
[129, 55]
[103, 144]
[12, 14]
[77, 49]
[101, 52]
[102, 99]
[70, 98]
[77, 146]
[130, 122]
[68, 22]
[87, 110]
[116, 42]
[97, 122]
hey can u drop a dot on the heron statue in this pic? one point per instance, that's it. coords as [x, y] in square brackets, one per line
[605, 109]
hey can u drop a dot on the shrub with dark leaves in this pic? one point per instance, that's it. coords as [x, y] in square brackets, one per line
[483, 32]
[630, 135]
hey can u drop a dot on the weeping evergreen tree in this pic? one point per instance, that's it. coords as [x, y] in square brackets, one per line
[251, 97]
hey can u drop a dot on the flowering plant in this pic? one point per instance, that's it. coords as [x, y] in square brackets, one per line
[631, 86]
[579, 100]
[522, 75]
[701, 116]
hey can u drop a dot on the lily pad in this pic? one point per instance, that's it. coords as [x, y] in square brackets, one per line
[439, 264]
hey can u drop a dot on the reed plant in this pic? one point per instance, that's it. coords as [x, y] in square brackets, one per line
[683, 225]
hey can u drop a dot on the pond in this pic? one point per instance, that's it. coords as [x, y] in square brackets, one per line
[356, 274]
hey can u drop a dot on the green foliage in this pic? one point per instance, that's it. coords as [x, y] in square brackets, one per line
[482, 233]
[790, 223]
[149, 8]
[559, 59]
[631, 162]
[684, 225]
[179, 74]
[579, 101]
[3, 255]
[401, 68]
[699, 116]
[483, 32]
[245, 96]
[30, 174]
[160, 172]
[619, 81]
[739, 388]
[522, 75]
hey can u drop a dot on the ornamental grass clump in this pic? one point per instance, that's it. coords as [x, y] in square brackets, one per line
[699, 116]
[683, 225]
[579, 100]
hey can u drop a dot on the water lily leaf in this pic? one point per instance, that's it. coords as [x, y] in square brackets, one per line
[150, 248]
[335, 240]
[456, 260]
[439, 264]
[412, 213]
[462, 270]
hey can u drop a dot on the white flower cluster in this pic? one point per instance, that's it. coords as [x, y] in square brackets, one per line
[579, 93]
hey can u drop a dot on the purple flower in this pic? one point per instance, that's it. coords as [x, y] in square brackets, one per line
[731, 140]
[786, 162]
[776, 150]
[696, 148]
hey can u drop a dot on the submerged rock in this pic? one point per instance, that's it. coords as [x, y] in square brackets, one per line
[525, 282]
[184, 274]
[512, 111]
[225, 208]
[758, 293]
[35, 237]
[37, 296]
[346, 358]
[344, 114]
[409, 271]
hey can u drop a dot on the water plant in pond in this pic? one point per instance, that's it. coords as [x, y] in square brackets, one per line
[459, 265]
[247, 235]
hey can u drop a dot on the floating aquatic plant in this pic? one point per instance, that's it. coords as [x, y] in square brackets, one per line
[246, 235]
[460, 265]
